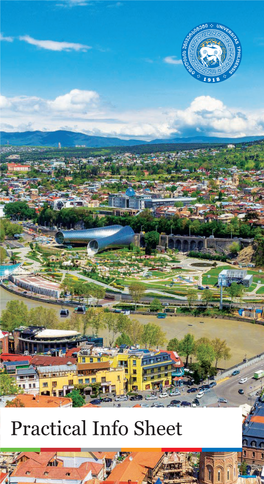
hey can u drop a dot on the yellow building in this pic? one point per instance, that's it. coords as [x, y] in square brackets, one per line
[144, 370]
[57, 381]
[110, 379]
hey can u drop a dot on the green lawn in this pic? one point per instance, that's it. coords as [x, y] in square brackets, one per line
[260, 290]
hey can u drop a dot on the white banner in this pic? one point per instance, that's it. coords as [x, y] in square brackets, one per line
[116, 428]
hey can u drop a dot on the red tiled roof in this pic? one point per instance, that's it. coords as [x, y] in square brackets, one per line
[39, 360]
[11, 357]
[42, 401]
[46, 473]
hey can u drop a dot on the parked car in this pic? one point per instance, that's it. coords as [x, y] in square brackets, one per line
[96, 401]
[192, 390]
[175, 402]
[196, 402]
[175, 393]
[241, 391]
[157, 405]
[200, 394]
[186, 404]
[106, 399]
[243, 380]
[163, 395]
[235, 372]
[172, 405]
[151, 397]
[222, 400]
[212, 384]
[136, 397]
[121, 398]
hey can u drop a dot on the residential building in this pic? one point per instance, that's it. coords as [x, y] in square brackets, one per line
[144, 370]
[57, 381]
[253, 436]
[218, 468]
[110, 379]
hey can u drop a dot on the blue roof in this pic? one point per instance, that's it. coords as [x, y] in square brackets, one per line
[253, 429]
[130, 192]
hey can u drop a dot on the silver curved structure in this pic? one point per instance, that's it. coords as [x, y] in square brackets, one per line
[99, 238]
[84, 236]
[122, 238]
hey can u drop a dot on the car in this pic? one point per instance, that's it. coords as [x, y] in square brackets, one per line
[175, 402]
[96, 401]
[200, 394]
[235, 372]
[174, 393]
[151, 397]
[206, 388]
[212, 384]
[163, 395]
[121, 398]
[196, 402]
[186, 404]
[222, 400]
[106, 399]
[136, 397]
[192, 390]
[243, 380]
[144, 405]
[172, 405]
[200, 288]
[241, 391]
[157, 405]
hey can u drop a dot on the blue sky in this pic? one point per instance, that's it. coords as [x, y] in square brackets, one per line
[111, 68]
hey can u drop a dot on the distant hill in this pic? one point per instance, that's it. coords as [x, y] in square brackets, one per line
[71, 139]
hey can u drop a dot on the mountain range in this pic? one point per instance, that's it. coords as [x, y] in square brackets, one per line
[71, 139]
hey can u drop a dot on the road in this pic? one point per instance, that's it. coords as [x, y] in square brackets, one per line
[229, 388]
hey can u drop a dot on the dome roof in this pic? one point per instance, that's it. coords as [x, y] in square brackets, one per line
[130, 192]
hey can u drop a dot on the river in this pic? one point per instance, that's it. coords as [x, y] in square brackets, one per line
[243, 338]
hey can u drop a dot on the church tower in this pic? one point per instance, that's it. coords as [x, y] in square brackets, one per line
[218, 468]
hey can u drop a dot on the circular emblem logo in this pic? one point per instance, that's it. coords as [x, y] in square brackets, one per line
[211, 52]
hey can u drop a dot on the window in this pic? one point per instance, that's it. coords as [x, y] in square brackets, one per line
[253, 443]
[103, 379]
[245, 453]
[134, 379]
[83, 359]
[70, 382]
[209, 474]
[45, 385]
[228, 474]
[134, 362]
[93, 380]
[91, 360]
[134, 372]
[87, 380]
[219, 476]
[29, 385]
[253, 454]
[118, 378]
[80, 382]
[261, 445]
[34, 385]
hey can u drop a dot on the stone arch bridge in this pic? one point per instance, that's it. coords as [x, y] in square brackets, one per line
[186, 243]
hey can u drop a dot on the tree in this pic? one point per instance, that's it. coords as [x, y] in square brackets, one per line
[98, 292]
[243, 469]
[77, 398]
[221, 350]
[191, 296]
[205, 354]
[19, 210]
[173, 345]
[111, 322]
[235, 290]
[153, 335]
[155, 305]
[235, 248]
[123, 339]
[14, 403]
[187, 347]
[137, 290]
[41, 316]
[3, 255]
[207, 296]
[93, 319]
[8, 385]
[15, 315]
[134, 331]
[151, 241]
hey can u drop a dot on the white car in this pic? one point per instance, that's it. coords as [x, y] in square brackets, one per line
[243, 380]
[174, 393]
[151, 397]
[121, 398]
[163, 395]
[200, 395]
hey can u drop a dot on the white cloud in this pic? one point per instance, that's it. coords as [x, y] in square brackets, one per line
[6, 39]
[172, 59]
[55, 46]
[85, 111]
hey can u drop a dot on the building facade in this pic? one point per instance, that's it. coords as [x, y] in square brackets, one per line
[218, 468]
